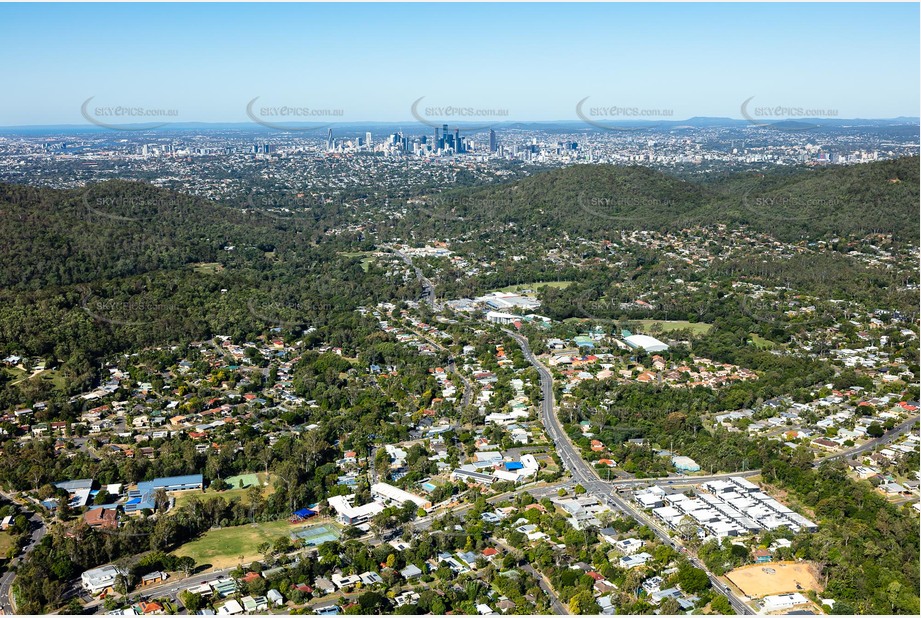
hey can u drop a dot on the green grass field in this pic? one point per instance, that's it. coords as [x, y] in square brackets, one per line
[645, 326]
[55, 377]
[535, 286]
[232, 494]
[761, 343]
[14, 373]
[207, 268]
[6, 542]
[367, 255]
[696, 328]
[223, 548]
[52, 376]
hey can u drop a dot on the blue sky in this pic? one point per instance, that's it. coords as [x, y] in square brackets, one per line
[536, 60]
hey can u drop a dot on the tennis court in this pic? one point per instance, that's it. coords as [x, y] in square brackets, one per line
[314, 536]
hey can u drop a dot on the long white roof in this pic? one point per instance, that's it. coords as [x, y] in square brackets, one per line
[646, 342]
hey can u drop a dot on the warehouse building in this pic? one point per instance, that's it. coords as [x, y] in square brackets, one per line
[645, 342]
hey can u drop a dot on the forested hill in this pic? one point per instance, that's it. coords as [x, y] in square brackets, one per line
[852, 200]
[117, 229]
[120, 266]
[593, 200]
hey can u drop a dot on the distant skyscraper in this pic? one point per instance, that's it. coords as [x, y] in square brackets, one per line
[493, 142]
[329, 139]
[368, 138]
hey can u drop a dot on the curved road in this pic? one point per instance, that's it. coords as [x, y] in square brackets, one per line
[586, 476]
[428, 288]
[6, 581]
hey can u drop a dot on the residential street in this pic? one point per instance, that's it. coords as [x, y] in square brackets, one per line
[6, 581]
[585, 474]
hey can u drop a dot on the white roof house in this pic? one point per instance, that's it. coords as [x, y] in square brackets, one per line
[100, 578]
[275, 597]
[230, 608]
[629, 546]
[635, 560]
[411, 571]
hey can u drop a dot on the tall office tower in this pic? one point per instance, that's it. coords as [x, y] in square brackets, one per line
[458, 147]
[435, 143]
[368, 138]
[493, 142]
[329, 139]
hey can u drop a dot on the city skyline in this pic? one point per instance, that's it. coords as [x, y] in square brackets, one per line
[372, 63]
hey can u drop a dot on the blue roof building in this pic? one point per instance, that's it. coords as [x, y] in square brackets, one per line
[143, 497]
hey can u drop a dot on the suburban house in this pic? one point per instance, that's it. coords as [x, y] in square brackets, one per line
[99, 579]
[101, 517]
